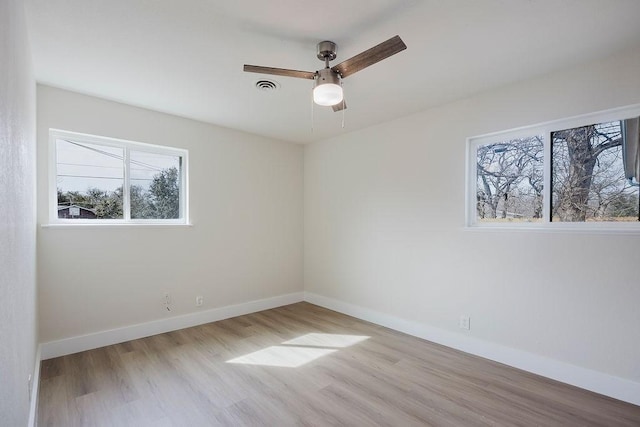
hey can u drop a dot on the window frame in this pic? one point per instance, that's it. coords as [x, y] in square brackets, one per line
[545, 129]
[127, 146]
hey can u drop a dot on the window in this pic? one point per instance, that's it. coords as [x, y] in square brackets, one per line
[104, 180]
[574, 173]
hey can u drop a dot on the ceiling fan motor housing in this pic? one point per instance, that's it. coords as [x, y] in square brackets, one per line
[327, 75]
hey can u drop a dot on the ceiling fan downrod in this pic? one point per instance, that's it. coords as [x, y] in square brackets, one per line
[327, 52]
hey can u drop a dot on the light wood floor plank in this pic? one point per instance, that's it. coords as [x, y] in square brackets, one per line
[240, 372]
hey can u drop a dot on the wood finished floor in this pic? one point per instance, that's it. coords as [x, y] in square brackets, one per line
[183, 378]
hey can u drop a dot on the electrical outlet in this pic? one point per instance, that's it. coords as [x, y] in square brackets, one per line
[199, 300]
[465, 322]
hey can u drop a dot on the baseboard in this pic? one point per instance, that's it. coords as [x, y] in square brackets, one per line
[608, 385]
[114, 336]
[35, 387]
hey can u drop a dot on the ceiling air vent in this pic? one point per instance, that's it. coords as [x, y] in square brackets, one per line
[267, 85]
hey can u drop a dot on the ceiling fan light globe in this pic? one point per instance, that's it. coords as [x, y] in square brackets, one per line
[327, 94]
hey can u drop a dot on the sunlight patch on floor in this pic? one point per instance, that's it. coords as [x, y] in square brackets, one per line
[282, 356]
[299, 351]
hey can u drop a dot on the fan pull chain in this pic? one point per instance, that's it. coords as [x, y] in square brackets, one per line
[343, 101]
[312, 111]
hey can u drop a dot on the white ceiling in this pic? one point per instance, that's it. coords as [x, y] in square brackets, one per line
[185, 57]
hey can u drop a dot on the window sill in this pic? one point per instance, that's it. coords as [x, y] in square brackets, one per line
[628, 229]
[115, 225]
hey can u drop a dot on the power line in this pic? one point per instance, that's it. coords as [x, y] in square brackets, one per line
[87, 165]
[113, 155]
[92, 176]
[104, 177]
[100, 166]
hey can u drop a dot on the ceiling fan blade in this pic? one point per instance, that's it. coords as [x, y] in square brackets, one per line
[279, 71]
[339, 106]
[370, 56]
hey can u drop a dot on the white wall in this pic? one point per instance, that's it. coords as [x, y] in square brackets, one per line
[384, 230]
[18, 335]
[245, 243]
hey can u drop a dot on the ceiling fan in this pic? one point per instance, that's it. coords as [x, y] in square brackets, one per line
[327, 90]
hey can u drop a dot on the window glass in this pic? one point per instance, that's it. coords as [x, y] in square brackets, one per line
[89, 180]
[588, 177]
[155, 185]
[509, 180]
